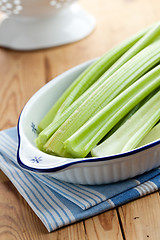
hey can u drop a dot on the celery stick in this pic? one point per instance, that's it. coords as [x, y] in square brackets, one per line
[48, 131]
[123, 77]
[126, 117]
[86, 137]
[151, 36]
[89, 76]
[58, 120]
[132, 131]
[148, 38]
[152, 136]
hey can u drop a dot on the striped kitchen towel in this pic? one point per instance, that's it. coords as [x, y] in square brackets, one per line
[58, 203]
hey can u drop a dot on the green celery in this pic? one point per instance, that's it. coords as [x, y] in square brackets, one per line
[144, 41]
[86, 137]
[126, 117]
[152, 136]
[89, 76]
[130, 134]
[123, 77]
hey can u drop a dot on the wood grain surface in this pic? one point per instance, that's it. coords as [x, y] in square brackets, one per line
[22, 74]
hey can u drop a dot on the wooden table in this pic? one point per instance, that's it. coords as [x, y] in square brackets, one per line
[23, 73]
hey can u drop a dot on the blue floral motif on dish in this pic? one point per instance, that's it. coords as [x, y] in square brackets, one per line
[36, 159]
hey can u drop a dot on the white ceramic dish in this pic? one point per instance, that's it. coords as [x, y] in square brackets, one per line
[82, 171]
[36, 24]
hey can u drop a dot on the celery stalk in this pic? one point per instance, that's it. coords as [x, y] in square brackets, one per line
[126, 117]
[122, 78]
[86, 137]
[89, 76]
[152, 136]
[144, 41]
[148, 38]
[130, 134]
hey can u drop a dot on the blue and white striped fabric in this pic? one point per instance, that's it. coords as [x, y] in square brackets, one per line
[57, 203]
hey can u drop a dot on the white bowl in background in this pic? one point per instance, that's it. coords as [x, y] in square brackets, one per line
[36, 24]
[75, 170]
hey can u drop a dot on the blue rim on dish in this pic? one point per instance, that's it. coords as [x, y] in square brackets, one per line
[82, 160]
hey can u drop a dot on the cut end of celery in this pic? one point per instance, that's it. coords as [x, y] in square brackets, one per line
[70, 149]
[39, 145]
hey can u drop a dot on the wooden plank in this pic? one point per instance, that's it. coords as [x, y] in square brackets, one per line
[18, 221]
[73, 232]
[103, 226]
[20, 78]
[141, 218]
[3, 178]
